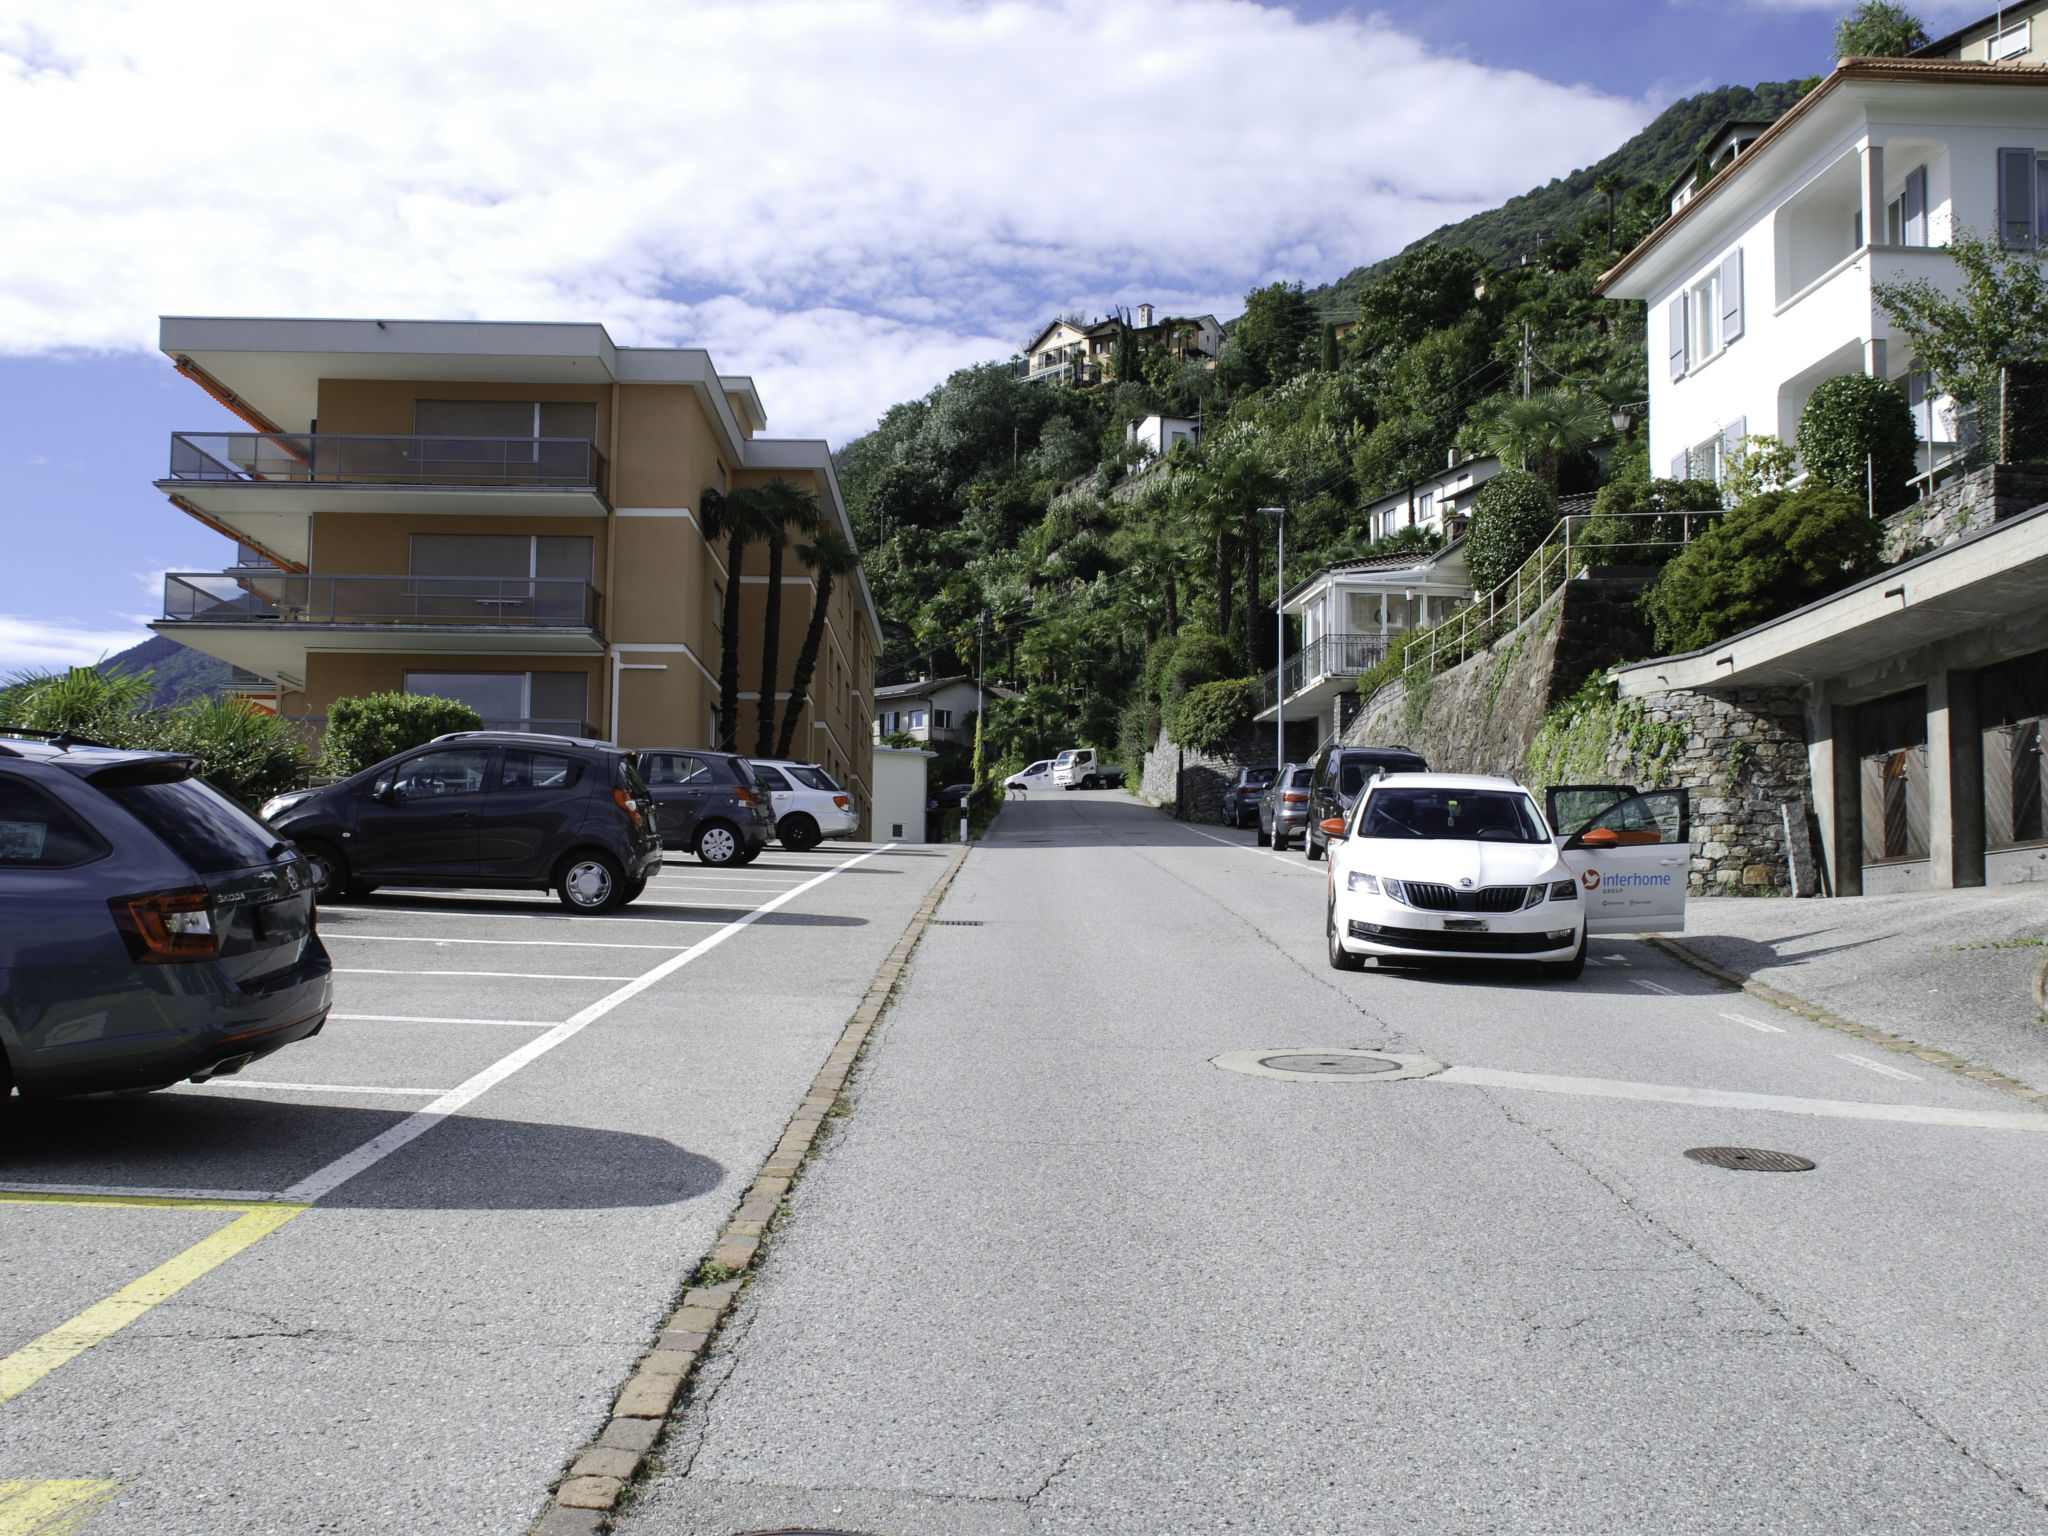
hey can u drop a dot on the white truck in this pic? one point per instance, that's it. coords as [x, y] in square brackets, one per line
[1083, 768]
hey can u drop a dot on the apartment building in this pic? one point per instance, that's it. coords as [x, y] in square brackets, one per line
[503, 514]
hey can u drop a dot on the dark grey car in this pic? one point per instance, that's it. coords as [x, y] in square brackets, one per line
[150, 928]
[709, 803]
[1241, 799]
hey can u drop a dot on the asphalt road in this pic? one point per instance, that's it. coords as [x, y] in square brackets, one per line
[1059, 1273]
[517, 1136]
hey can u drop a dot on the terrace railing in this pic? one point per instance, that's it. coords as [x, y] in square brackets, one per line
[493, 602]
[329, 458]
[1331, 655]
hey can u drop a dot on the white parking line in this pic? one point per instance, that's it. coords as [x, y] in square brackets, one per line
[413, 938]
[1651, 986]
[1715, 1098]
[357, 970]
[257, 1082]
[325, 1180]
[1757, 1024]
[1261, 852]
[144, 1192]
[1881, 1068]
[422, 1018]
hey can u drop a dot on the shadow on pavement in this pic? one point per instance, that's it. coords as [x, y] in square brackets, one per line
[186, 1141]
[641, 911]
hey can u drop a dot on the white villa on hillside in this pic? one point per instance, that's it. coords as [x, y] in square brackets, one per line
[1760, 285]
[1068, 350]
[1442, 504]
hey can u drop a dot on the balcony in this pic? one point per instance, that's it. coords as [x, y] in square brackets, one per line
[266, 620]
[264, 487]
[1314, 675]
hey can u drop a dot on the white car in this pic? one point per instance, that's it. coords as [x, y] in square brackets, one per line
[1037, 776]
[1455, 866]
[808, 806]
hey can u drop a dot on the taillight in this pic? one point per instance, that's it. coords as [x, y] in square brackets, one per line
[1293, 799]
[842, 802]
[744, 796]
[168, 926]
[626, 804]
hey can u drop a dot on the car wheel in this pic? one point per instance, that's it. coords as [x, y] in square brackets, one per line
[1309, 850]
[591, 882]
[1265, 838]
[1568, 970]
[799, 833]
[746, 855]
[718, 845]
[330, 870]
[1091, 782]
[1341, 959]
[635, 888]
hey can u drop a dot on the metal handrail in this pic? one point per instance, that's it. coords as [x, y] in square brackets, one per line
[1335, 654]
[496, 602]
[331, 458]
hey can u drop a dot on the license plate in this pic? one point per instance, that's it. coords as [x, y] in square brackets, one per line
[1464, 925]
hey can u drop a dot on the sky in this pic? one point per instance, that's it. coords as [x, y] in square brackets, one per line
[846, 199]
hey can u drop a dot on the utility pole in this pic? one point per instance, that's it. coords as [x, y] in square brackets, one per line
[1525, 359]
[1280, 642]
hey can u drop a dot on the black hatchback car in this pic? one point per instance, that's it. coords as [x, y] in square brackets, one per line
[500, 810]
[1341, 772]
[709, 803]
[150, 928]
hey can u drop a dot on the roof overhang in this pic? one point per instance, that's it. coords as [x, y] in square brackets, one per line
[1990, 577]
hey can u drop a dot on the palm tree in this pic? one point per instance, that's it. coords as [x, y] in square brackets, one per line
[1545, 427]
[830, 555]
[784, 509]
[737, 520]
[1610, 186]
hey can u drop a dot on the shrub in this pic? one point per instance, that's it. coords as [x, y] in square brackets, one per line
[1857, 436]
[1651, 536]
[1770, 555]
[1513, 513]
[109, 707]
[1137, 724]
[1198, 659]
[1212, 715]
[379, 725]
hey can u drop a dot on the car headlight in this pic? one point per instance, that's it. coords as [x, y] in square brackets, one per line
[1396, 890]
[277, 805]
[1564, 890]
[1358, 880]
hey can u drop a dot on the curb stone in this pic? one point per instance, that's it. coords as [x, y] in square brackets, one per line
[601, 1472]
[1814, 1013]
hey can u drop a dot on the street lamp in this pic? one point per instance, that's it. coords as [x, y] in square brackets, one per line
[1279, 642]
[1622, 421]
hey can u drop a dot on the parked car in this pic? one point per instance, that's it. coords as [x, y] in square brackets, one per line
[709, 803]
[952, 797]
[808, 806]
[1037, 776]
[1241, 799]
[150, 928]
[1439, 866]
[1083, 768]
[1283, 808]
[1341, 772]
[500, 810]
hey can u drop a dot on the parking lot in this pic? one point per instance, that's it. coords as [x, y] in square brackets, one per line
[392, 1276]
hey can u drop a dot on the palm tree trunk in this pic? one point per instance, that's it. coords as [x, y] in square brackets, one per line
[1172, 604]
[806, 664]
[771, 636]
[1252, 645]
[1224, 585]
[729, 648]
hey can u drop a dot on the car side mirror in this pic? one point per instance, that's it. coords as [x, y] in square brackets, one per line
[392, 795]
[1334, 827]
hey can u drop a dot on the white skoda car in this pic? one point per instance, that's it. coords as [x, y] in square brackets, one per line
[1449, 866]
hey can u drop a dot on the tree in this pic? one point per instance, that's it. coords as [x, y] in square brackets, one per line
[1774, 553]
[1512, 514]
[737, 519]
[1999, 316]
[1856, 434]
[1639, 521]
[1546, 427]
[1878, 29]
[1276, 332]
[1430, 288]
[1124, 360]
[1330, 359]
[830, 558]
[783, 508]
[1610, 185]
[1212, 715]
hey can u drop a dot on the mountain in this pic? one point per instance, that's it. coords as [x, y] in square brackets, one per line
[181, 673]
[1521, 224]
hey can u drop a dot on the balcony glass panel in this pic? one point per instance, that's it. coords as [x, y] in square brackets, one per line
[495, 602]
[327, 458]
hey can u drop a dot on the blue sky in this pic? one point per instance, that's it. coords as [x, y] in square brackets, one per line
[862, 196]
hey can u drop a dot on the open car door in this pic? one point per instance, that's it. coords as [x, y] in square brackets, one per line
[1572, 807]
[1632, 859]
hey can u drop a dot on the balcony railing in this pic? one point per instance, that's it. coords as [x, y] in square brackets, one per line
[1331, 655]
[493, 602]
[329, 458]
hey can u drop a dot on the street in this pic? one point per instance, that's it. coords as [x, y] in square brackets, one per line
[427, 1315]
[1058, 1272]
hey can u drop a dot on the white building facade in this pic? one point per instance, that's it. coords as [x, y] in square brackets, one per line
[1442, 504]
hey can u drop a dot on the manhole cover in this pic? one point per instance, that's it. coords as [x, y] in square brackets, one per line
[1336, 1066]
[1751, 1159]
[1305, 1064]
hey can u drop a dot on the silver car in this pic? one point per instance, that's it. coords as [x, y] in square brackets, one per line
[809, 806]
[1283, 808]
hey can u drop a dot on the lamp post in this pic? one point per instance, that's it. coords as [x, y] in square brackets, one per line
[1279, 642]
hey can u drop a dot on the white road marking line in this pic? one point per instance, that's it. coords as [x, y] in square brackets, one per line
[325, 1180]
[1261, 852]
[358, 970]
[1758, 1024]
[238, 1081]
[1716, 1098]
[409, 938]
[1651, 986]
[423, 1018]
[1882, 1068]
[143, 1192]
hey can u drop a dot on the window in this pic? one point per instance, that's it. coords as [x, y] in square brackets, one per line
[917, 719]
[536, 770]
[770, 778]
[2019, 197]
[505, 418]
[504, 556]
[2010, 43]
[814, 778]
[671, 768]
[204, 828]
[1703, 321]
[440, 775]
[1707, 316]
[38, 833]
[942, 719]
[548, 701]
[1905, 216]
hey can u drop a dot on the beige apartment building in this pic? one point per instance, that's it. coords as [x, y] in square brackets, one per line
[503, 514]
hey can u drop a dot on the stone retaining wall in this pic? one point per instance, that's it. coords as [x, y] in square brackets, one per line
[1192, 782]
[1963, 507]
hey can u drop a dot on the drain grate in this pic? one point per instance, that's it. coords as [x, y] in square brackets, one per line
[1751, 1159]
[1346, 1065]
[956, 922]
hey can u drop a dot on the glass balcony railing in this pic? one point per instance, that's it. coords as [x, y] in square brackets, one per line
[327, 458]
[492, 602]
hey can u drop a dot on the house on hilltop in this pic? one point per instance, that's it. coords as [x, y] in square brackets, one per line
[2007, 36]
[1071, 352]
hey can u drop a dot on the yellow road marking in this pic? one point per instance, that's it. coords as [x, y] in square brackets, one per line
[50, 1506]
[99, 1322]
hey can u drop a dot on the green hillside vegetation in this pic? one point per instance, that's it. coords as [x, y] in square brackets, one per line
[176, 673]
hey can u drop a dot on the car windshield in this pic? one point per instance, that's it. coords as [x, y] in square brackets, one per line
[1065, 757]
[812, 778]
[1258, 776]
[1303, 777]
[1453, 815]
[203, 826]
[1354, 772]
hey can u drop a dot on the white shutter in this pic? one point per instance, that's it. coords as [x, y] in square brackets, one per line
[1731, 296]
[1677, 312]
[1731, 439]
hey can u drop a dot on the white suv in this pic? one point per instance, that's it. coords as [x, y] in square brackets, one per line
[808, 806]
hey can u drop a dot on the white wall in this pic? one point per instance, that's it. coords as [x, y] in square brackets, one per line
[899, 795]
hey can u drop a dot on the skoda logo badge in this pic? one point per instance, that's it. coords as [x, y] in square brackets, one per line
[1466, 883]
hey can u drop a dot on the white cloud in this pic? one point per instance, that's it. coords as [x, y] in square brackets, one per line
[844, 198]
[35, 644]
